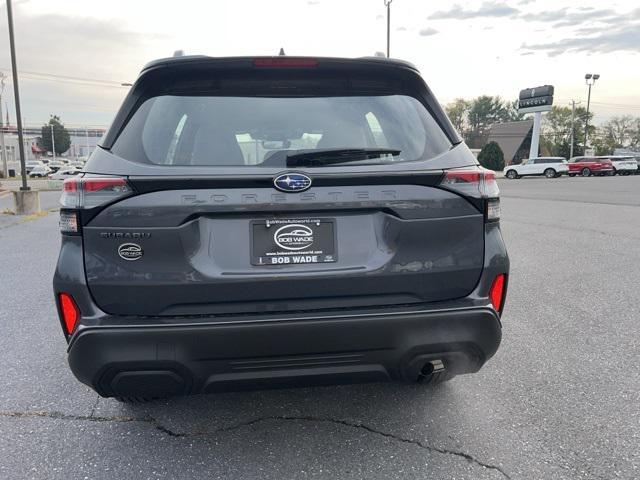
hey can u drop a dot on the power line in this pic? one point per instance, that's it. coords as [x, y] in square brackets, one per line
[622, 105]
[70, 82]
[67, 78]
[616, 104]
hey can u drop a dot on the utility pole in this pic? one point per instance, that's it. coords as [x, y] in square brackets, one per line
[53, 144]
[573, 128]
[16, 92]
[590, 79]
[5, 167]
[387, 3]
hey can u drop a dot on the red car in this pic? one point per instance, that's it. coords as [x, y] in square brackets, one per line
[587, 166]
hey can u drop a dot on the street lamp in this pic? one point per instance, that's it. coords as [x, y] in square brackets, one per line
[16, 93]
[387, 3]
[590, 79]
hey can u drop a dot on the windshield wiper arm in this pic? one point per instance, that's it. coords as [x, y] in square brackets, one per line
[314, 158]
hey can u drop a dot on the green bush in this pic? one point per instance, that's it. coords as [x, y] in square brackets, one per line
[491, 156]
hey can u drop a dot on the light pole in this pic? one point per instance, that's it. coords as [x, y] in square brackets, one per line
[14, 69]
[573, 128]
[86, 138]
[53, 144]
[387, 3]
[5, 168]
[590, 79]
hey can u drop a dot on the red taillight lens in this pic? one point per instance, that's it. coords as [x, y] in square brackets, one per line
[285, 62]
[473, 182]
[89, 192]
[496, 292]
[70, 312]
[70, 185]
[104, 184]
[478, 184]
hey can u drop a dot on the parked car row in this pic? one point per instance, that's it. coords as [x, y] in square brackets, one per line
[584, 166]
[44, 171]
[39, 168]
[54, 165]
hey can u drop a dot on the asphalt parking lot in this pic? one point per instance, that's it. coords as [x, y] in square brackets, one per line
[561, 399]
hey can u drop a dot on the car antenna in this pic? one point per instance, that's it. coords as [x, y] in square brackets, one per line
[281, 54]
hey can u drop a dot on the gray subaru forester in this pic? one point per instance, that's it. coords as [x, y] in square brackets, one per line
[278, 221]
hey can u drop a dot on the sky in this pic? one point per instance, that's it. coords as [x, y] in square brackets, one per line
[73, 55]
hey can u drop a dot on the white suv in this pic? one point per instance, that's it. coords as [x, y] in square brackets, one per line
[624, 165]
[550, 167]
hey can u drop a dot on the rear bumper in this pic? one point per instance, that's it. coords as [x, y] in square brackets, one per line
[158, 360]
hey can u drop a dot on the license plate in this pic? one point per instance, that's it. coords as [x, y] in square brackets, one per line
[296, 241]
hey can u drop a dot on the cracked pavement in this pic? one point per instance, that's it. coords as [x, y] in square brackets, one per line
[559, 401]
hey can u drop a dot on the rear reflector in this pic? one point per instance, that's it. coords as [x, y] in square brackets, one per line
[70, 312]
[496, 292]
[285, 62]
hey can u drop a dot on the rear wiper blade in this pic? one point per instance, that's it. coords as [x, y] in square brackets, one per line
[313, 158]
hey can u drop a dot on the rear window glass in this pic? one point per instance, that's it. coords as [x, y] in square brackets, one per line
[261, 131]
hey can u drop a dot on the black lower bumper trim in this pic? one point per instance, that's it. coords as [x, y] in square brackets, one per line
[173, 360]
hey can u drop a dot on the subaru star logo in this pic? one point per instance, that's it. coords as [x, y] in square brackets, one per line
[292, 182]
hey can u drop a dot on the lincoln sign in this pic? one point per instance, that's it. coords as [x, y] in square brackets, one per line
[538, 99]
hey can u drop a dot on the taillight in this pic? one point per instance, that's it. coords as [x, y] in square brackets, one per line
[89, 192]
[69, 311]
[476, 184]
[80, 193]
[285, 62]
[496, 292]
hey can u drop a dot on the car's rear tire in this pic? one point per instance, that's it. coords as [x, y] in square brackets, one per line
[511, 174]
[586, 172]
[550, 173]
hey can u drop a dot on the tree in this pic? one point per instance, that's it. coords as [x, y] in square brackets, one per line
[457, 112]
[60, 136]
[483, 112]
[491, 156]
[511, 112]
[556, 129]
[603, 145]
[619, 130]
[634, 135]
